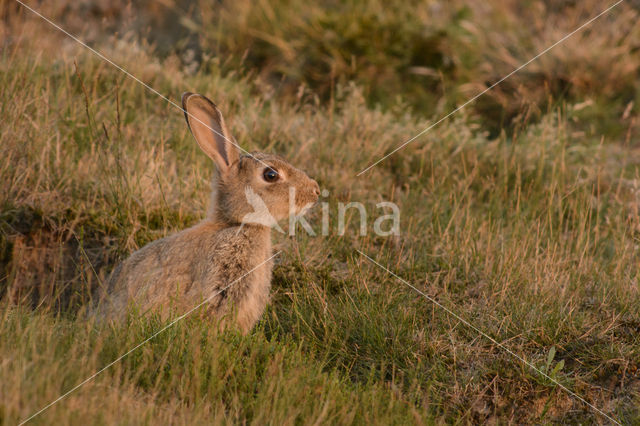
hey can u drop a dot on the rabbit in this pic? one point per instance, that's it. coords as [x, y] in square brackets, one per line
[232, 245]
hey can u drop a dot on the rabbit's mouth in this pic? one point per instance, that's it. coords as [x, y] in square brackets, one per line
[304, 209]
[307, 199]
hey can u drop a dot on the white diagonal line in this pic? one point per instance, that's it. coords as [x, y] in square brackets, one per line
[494, 341]
[128, 74]
[491, 87]
[88, 379]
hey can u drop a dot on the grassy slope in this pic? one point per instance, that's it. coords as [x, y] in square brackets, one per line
[533, 237]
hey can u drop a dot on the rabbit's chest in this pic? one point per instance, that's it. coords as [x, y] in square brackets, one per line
[254, 295]
[238, 272]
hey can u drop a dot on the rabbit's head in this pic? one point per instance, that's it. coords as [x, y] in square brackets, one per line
[250, 187]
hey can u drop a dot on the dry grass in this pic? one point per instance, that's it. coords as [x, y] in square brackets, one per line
[533, 233]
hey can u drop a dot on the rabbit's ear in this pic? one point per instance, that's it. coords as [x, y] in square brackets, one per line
[207, 125]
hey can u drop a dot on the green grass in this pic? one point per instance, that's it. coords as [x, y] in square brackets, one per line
[531, 232]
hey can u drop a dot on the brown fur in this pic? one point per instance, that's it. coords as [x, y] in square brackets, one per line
[182, 270]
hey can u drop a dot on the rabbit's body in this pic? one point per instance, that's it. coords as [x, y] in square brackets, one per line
[227, 257]
[183, 270]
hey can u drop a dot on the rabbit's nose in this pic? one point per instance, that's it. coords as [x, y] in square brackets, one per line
[316, 188]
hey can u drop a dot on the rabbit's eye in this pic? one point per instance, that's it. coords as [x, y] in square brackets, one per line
[270, 175]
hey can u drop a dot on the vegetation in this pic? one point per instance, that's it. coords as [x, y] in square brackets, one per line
[520, 213]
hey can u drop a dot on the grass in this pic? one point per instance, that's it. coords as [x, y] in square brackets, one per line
[529, 228]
